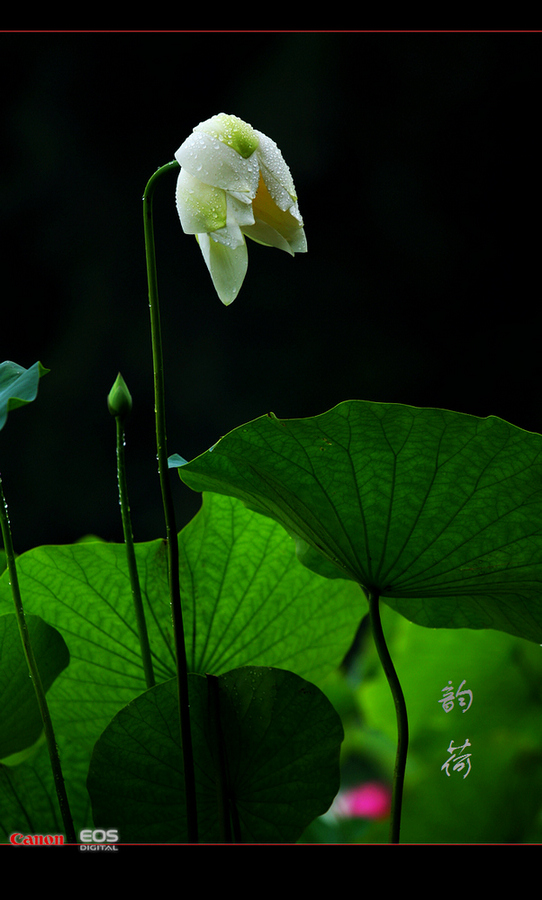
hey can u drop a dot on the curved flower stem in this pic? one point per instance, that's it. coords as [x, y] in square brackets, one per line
[130, 555]
[34, 673]
[167, 499]
[401, 712]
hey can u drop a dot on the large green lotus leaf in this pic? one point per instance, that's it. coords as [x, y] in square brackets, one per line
[281, 740]
[246, 598]
[437, 511]
[20, 718]
[248, 601]
[18, 386]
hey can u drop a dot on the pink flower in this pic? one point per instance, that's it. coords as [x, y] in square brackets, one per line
[371, 800]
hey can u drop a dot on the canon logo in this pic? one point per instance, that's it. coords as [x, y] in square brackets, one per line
[37, 840]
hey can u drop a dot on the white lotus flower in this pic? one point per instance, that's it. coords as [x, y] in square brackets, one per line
[234, 183]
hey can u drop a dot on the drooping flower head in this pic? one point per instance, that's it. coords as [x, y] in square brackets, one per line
[234, 183]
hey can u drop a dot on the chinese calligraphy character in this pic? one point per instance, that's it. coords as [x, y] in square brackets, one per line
[461, 695]
[460, 761]
[448, 699]
[449, 696]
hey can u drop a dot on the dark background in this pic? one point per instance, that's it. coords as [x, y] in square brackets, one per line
[416, 158]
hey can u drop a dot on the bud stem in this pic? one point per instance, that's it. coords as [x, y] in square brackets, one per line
[130, 555]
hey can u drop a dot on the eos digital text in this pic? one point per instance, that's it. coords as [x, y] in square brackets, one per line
[96, 839]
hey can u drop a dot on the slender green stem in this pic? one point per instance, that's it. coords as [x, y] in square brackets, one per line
[167, 499]
[131, 557]
[34, 673]
[401, 712]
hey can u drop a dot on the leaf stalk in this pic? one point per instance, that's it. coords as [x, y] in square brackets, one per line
[401, 713]
[33, 669]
